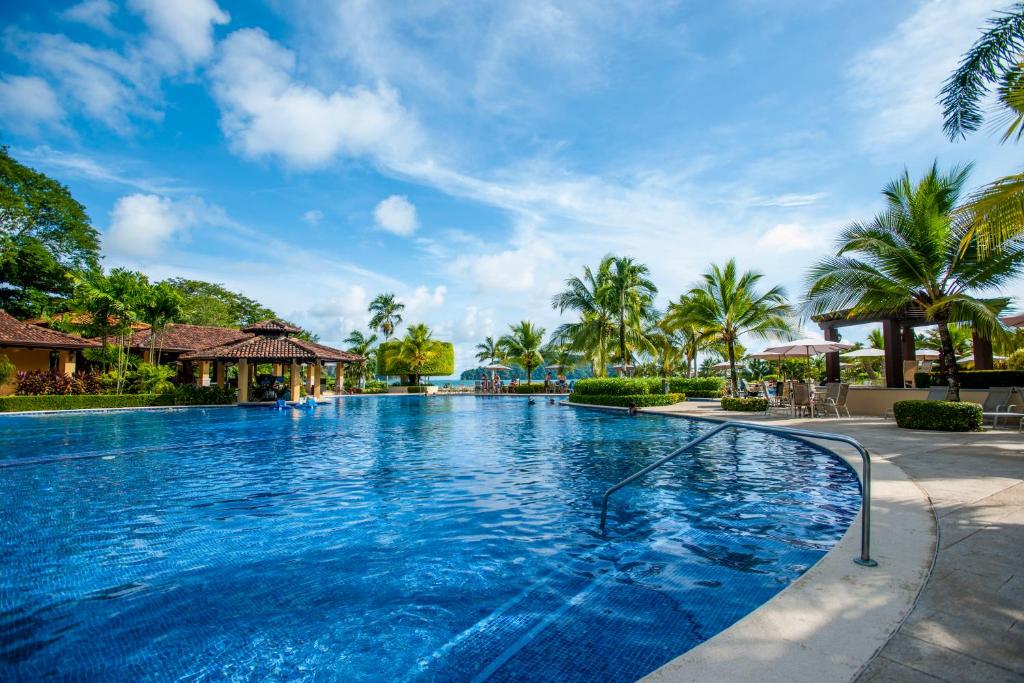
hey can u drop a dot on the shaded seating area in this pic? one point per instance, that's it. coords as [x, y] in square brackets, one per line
[272, 342]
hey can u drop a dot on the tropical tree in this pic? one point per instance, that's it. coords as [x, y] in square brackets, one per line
[994, 62]
[488, 351]
[692, 338]
[362, 345]
[628, 292]
[959, 335]
[727, 304]
[560, 355]
[667, 347]
[913, 255]
[876, 339]
[159, 306]
[387, 314]
[44, 235]
[522, 345]
[213, 305]
[416, 349]
[592, 333]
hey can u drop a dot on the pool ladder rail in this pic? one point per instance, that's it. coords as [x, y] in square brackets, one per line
[864, 559]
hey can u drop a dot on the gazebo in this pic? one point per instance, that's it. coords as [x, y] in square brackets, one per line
[272, 341]
[898, 336]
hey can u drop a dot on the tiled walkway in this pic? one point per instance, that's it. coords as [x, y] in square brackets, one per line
[968, 624]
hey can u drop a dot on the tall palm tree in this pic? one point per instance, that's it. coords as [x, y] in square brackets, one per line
[523, 344]
[387, 314]
[912, 254]
[726, 304]
[960, 336]
[995, 61]
[692, 338]
[488, 351]
[876, 339]
[160, 306]
[363, 345]
[591, 335]
[629, 293]
[417, 349]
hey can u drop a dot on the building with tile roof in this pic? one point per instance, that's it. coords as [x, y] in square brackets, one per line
[31, 347]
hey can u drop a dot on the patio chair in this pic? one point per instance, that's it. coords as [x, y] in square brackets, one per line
[821, 406]
[998, 400]
[839, 402]
[802, 400]
[935, 393]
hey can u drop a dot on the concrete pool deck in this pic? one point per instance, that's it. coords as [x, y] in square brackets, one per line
[959, 618]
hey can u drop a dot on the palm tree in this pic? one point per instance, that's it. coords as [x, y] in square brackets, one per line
[488, 350]
[692, 339]
[996, 212]
[417, 349]
[726, 304]
[561, 355]
[363, 345]
[161, 305]
[912, 255]
[959, 335]
[387, 314]
[876, 339]
[667, 346]
[522, 345]
[592, 333]
[629, 294]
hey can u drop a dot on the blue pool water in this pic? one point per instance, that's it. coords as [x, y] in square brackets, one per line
[391, 538]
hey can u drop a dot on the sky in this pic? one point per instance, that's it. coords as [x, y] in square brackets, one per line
[469, 157]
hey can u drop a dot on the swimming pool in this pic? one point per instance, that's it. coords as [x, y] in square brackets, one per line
[448, 538]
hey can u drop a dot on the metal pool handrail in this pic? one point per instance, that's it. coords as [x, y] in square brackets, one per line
[865, 521]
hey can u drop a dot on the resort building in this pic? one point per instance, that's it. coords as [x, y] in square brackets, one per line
[31, 347]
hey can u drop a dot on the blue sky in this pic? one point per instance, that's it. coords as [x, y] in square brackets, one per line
[470, 156]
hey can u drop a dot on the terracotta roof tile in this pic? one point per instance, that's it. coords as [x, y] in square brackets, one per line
[13, 332]
[274, 349]
[180, 337]
[272, 325]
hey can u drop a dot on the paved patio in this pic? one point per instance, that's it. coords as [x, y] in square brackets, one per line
[968, 622]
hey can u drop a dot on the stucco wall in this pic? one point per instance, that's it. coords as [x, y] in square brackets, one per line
[877, 400]
[25, 360]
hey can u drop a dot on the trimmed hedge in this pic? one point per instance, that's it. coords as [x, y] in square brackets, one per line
[942, 416]
[9, 404]
[626, 400]
[745, 405]
[389, 359]
[974, 379]
[416, 390]
[699, 387]
[530, 389]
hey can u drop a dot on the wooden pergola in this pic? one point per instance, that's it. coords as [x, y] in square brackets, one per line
[898, 340]
[272, 342]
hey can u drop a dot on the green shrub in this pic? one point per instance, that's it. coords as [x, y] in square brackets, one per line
[375, 384]
[441, 364]
[1015, 361]
[974, 379]
[745, 405]
[943, 416]
[530, 389]
[10, 404]
[617, 386]
[191, 395]
[698, 387]
[626, 400]
[373, 390]
[416, 390]
[7, 369]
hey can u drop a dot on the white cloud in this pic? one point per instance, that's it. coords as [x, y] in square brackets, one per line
[396, 215]
[790, 200]
[313, 217]
[28, 104]
[787, 237]
[94, 13]
[79, 165]
[182, 31]
[896, 82]
[142, 225]
[265, 112]
[421, 300]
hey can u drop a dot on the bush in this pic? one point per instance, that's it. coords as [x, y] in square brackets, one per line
[698, 387]
[45, 382]
[943, 416]
[191, 395]
[389, 359]
[372, 390]
[416, 390]
[1015, 361]
[530, 389]
[373, 385]
[626, 400]
[745, 405]
[974, 379]
[7, 369]
[617, 386]
[10, 404]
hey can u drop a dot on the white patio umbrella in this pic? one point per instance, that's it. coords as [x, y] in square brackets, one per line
[497, 366]
[969, 358]
[555, 366]
[926, 354]
[721, 366]
[806, 347]
[864, 353]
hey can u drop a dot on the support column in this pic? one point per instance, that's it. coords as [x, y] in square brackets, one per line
[982, 352]
[316, 379]
[278, 370]
[295, 380]
[339, 382]
[309, 378]
[832, 357]
[243, 381]
[203, 380]
[221, 374]
[893, 343]
[908, 344]
[66, 363]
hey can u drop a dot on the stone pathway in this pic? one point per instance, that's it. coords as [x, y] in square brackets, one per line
[968, 624]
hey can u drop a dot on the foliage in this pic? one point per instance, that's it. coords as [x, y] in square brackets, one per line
[943, 416]
[417, 350]
[591, 335]
[529, 389]
[628, 293]
[386, 312]
[149, 378]
[7, 369]
[363, 345]
[81, 402]
[974, 379]
[210, 304]
[488, 351]
[912, 254]
[390, 361]
[617, 386]
[627, 400]
[727, 304]
[416, 389]
[373, 385]
[745, 405]
[192, 395]
[42, 382]
[522, 345]
[1015, 361]
[159, 307]
[697, 387]
[44, 235]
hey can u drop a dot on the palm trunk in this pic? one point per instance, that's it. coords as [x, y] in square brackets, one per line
[948, 362]
[732, 368]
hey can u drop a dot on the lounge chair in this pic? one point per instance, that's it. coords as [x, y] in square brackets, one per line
[935, 393]
[821, 406]
[838, 403]
[998, 400]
